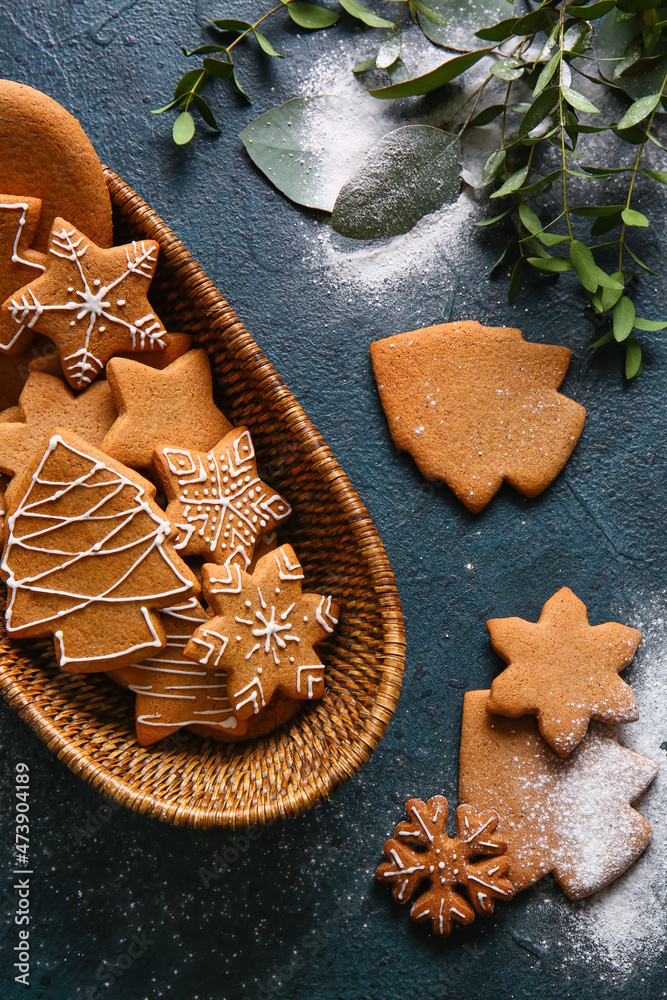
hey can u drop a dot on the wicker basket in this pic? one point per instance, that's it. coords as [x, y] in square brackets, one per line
[89, 722]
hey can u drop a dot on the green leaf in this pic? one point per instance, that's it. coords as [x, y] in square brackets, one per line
[607, 281]
[578, 100]
[529, 218]
[510, 68]
[649, 325]
[168, 107]
[205, 112]
[389, 51]
[216, 67]
[545, 76]
[605, 223]
[431, 15]
[633, 359]
[592, 10]
[265, 45]
[502, 257]
[590, 211]
[542, 182]
[496, 218]
[539, 110]
[492, 167]
[639, 110]
[297, 148]
[231, 24]
[609, 297]
[409, 173]
[632, 218]
[430, 81]
[184, 128]
[513, 182]
[364, 66]
[458, 22]
[498, 32]
[190, 82]
[309, 15]
[584, 265]
[238, 86]
[486, 115]
[515, 281]
[203, 50]
[355, 10]
[551, 264]
[655, 175]
[624, 318]
[606, 338]
[553, 239]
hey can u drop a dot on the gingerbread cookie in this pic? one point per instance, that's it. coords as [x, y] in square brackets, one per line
[18, 263]
[567, 815]
[88, 558]
[90, 301]
[179, 343]
[15, 369]
[217, 503]
[264, 633]
[174, 405]
[422, 856]
[563, 670]
[477, 405]
[45, 402]
[46, 155]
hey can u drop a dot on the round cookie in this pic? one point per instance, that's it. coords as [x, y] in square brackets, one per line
[44, 153]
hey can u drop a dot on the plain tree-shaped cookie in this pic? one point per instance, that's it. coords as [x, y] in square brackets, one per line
[88, 558]
[568, 815]
[477, 405]
[563, 670]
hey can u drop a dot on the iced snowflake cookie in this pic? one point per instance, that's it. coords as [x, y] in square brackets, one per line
[90, 301]
[217, 503]
[88, 558]
[174, 406]
[422, 857]
[45, 402]
[571, 816]
[264, 632]
[179, 343]
[19, 264]
[477, 405]
[563, 670]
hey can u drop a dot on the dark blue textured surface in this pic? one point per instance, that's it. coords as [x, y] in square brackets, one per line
[298, 915]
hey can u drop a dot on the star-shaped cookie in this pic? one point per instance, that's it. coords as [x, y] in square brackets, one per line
[90, 301]
[45, 402]
[264, 634]
[217, 503]
[19, 218]
[563, 670]
[174, 406]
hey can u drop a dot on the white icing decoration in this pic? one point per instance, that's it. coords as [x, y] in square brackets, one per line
[324, 616]
[145, 333]
[286, 571]
[210, 646]
[40, 510]
[255, 695]
[314, 675]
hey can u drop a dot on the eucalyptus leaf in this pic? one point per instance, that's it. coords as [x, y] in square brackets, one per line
[655, 175]
[632, 218]
[633, 359]
[430, 81]
[538, 110]
[486, 115]
[494, 219]
[205, 111]
[184, 128]
[590, 211]
[623, 318]
[592, 11]
[364, 66]
[639, 110]
[389, 51]
[578, 100]
[513, 183]
[584, 265]
[606, 338]
[640, 263]
[219, 68]
[190, 82]
[309, 146]
[355, 10]
[553, 265]
[409, 173]
[309, 15]
[431, 15]
[515, 281]
[649, 325]
[230, 24]
[238, 86]
[529, 218]
[544, 79]
[459, 21]
[266, 45]
[510, 68]
[203, 50]
[616, 32]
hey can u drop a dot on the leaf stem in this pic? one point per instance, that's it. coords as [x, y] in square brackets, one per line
[253, 26]
[561, 112]
[400, 14]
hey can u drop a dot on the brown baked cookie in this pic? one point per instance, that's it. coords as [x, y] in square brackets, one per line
[174, 405]
[88, 557]
[91, 302]
[18, 263]
[179, 343]
[422, 857]
[15, 368]
[263, 634]
[570, 816]
[279, 711]
[563, 670]
[45, 402]
[217, 503]
[477, 405]
[45, 154]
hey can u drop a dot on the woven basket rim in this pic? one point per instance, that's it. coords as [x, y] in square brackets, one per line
[194, 281]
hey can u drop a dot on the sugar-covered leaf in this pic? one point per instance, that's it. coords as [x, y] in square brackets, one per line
[492, 166]
[310, 15]
[431, 15]
[639, 110]
[427, 82]
[510, 68]
[410, 173]
[309, 146]
[458, 22]
[578, 100]
[356, 10]
[389, 51]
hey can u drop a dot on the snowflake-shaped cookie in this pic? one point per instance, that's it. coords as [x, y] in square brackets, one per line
[264, 633]
[90, 301]
[421, 850]
[217, 502]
